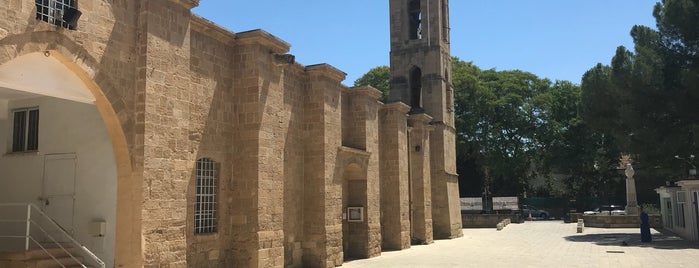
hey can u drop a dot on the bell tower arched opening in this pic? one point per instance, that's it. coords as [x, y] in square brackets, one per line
[415, 19]
[416, 89]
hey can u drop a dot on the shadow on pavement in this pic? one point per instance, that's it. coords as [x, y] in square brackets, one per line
[662, 240]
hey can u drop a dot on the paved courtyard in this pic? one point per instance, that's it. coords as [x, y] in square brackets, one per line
[544, 244]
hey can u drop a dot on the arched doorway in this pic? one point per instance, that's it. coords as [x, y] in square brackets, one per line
[354, 203]
[65, 152]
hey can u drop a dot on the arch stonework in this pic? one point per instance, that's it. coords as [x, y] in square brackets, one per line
[128, 251]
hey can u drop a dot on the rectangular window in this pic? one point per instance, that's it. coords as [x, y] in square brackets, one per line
[25, 130]
[205, 197]
[62, 13]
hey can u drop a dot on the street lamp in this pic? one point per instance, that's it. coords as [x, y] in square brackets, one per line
[690, 162]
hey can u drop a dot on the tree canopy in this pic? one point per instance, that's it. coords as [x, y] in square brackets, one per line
[525, 129]
[558, 138]
[379, 78]
[647, 98]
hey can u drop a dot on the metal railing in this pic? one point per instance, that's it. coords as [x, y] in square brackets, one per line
[25, 227]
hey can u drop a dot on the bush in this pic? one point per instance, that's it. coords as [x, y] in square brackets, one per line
[650, 209]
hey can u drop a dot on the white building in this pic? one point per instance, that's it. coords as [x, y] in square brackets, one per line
[680, 209]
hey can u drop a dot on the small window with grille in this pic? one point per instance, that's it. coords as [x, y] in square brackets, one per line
[205, 197]
[25, 129]
[63, 13]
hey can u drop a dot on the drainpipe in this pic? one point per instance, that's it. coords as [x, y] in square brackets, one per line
[410, 182]
[696, 213]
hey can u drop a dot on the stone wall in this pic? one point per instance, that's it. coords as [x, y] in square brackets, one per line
[620, 221]
[212, 119]
[294, 95]
[486, 220]
[172, 88]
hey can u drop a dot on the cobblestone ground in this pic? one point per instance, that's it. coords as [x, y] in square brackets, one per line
[544, 244]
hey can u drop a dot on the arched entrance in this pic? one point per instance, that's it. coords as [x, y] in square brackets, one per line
[354, 202]
[66, 151]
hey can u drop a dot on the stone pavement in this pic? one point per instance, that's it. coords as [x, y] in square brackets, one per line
[544, 244]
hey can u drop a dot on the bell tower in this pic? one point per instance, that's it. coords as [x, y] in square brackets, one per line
[420, 77]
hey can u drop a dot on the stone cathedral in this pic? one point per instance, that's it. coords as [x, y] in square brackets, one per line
[156, 138]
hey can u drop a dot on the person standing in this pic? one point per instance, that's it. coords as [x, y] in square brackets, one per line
[645, 227]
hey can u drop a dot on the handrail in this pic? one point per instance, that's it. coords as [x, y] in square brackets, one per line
[35, 223]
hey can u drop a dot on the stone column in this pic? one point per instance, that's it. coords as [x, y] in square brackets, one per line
[363, 131]
[420, 182]
[446, 212]
[395, 206]
[257, 234]
[322, 246]
[631, 203]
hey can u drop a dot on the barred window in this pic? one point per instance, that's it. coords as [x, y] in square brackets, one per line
[681, 200]
[205, 197]
[62, 13]
[25, 130]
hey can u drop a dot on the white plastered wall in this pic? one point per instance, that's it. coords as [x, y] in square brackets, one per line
[65, 127]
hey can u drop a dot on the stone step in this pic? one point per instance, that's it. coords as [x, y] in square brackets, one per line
[32, 254]
[51, 263]
[38, 258]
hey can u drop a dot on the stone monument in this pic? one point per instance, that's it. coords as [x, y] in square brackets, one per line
[631, 203]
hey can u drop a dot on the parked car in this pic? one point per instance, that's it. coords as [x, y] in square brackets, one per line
[607, 210]
[535, 212]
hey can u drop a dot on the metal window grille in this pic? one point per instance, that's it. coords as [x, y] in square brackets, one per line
[52, 11]
[681, 197]
[681, 200]
[205, 198]
[25, 130]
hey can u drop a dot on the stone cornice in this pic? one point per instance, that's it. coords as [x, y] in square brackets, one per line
[212, 29]
[398, 106]
[421, 117]
[263, 38]
[327, 70]
[366, 90]
[420, 121]
[353, 151]
[189, 4]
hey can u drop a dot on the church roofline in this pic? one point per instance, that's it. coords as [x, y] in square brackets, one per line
[398, 105]
[263, 38]
[366, 90]
[327, 69]
[212, 29]
[187, 3]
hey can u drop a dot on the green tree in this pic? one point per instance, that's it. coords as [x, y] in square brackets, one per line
[523, 128]
[379, 78]
[496, 127]
[647, 99]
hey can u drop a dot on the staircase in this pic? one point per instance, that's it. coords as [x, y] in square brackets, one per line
[39, 258]
[31, 239]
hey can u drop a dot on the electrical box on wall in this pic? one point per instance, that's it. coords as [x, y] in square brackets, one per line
[355, 214]
[97, 228]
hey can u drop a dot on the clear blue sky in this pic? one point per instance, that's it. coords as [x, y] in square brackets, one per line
[556, 39]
